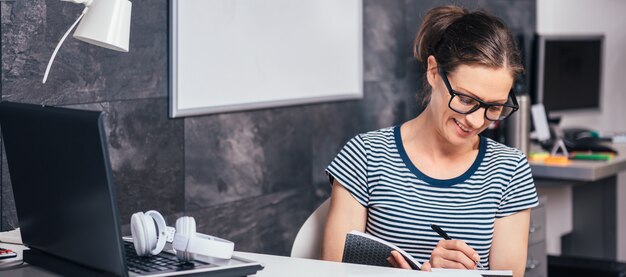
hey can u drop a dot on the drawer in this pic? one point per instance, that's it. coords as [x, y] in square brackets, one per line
[537, 260]
[537, 229]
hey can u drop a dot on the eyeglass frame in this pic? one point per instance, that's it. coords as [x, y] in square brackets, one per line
[481, 104]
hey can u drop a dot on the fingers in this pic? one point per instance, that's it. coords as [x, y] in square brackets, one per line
[460, 245]
[454, 254]
[392, 262]
[440, 262]
[426, 267]
[396, 260]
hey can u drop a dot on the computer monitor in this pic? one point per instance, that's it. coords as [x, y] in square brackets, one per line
[568, 72]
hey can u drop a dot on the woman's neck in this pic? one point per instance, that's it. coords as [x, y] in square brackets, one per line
[423, 135]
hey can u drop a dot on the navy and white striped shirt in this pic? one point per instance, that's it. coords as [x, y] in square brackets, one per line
[402, 202]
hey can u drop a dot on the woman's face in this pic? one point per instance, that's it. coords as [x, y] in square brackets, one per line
[487, 84]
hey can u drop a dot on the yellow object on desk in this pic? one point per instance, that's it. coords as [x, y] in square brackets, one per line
[557, 160]
[538, 156]
[547, 159]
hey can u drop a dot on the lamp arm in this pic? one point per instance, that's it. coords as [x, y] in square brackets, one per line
[54, 54]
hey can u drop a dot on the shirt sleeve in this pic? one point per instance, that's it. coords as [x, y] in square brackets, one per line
[349, 168]
[520, 194]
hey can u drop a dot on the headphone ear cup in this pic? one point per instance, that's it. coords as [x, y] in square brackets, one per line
[138, 233]
[185, 226]
[151, 232]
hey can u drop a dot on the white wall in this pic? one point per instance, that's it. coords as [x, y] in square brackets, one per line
[584, 17]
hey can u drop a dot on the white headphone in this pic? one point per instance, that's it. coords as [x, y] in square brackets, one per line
[150, 235]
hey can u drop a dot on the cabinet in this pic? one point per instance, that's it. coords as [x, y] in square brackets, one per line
[537, 259]
[594, 232]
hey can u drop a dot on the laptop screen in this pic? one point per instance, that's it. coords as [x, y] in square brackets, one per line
[61, 178]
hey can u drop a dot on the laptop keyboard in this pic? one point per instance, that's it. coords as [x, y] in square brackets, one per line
[153, 264]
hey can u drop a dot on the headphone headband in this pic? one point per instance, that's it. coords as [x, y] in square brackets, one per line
[161, 228]
[204, 245]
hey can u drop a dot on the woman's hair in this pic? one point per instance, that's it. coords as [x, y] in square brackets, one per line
[456, 36]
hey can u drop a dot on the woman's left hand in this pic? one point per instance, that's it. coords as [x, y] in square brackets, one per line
[396, 260]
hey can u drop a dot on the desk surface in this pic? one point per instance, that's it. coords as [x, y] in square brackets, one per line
[579, 170]
[287, 266]
[275, 266]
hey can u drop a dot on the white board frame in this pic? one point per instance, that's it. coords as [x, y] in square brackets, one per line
[182, 87]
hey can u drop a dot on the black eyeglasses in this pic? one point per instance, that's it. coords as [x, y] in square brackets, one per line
[465, 104]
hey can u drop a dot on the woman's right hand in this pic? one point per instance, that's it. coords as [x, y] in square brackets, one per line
[454, 254]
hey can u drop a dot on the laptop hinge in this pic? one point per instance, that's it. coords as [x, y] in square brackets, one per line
[59, 265]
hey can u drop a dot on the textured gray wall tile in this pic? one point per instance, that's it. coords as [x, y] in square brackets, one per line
[388, 103]
[223, 159]
[333, 125]
[81, 73]
[286, 140]
[240, 155]
[385, 44]
[146, 153]
[265, 224]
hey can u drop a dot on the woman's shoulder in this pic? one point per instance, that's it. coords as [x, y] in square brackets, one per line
[377, 137]
[380, 133]
[501, 151]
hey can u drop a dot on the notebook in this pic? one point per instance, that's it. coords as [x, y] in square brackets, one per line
[362, 248]
[484, 273]
[65, 202]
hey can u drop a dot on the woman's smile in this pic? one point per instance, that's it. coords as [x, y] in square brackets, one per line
[462, 130]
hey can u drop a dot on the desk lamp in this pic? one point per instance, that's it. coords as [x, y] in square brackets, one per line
[105, 23]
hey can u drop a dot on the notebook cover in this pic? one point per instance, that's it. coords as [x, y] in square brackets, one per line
[364, 249]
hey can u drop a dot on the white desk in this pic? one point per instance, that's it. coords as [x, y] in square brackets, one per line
[275, 266]
[580, 170]
[594, 201]
[279, 266]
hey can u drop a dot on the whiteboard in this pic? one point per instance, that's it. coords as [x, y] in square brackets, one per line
[233, 55]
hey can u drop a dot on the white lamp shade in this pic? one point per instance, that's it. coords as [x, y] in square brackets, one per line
[106, 24]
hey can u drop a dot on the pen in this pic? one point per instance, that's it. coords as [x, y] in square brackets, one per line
[445, 236]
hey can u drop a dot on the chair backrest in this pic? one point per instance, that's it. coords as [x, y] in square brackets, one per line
[308, 242]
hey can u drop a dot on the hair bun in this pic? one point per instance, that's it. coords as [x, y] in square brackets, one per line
[434, 25]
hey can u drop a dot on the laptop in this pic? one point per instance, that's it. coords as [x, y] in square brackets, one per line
[65, 199]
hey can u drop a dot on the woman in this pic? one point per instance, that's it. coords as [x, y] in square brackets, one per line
[435, 169]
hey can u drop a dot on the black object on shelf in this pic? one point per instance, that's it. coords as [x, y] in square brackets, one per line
[576, 266]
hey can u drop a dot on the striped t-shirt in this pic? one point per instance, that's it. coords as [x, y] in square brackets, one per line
[402, 202]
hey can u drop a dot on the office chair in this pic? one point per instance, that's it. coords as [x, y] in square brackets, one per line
[308, 242]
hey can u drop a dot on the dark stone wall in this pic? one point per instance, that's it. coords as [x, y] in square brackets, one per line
[252, 177]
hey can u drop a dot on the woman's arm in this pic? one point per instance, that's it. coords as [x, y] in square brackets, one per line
[510, 243]
[345, 214]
